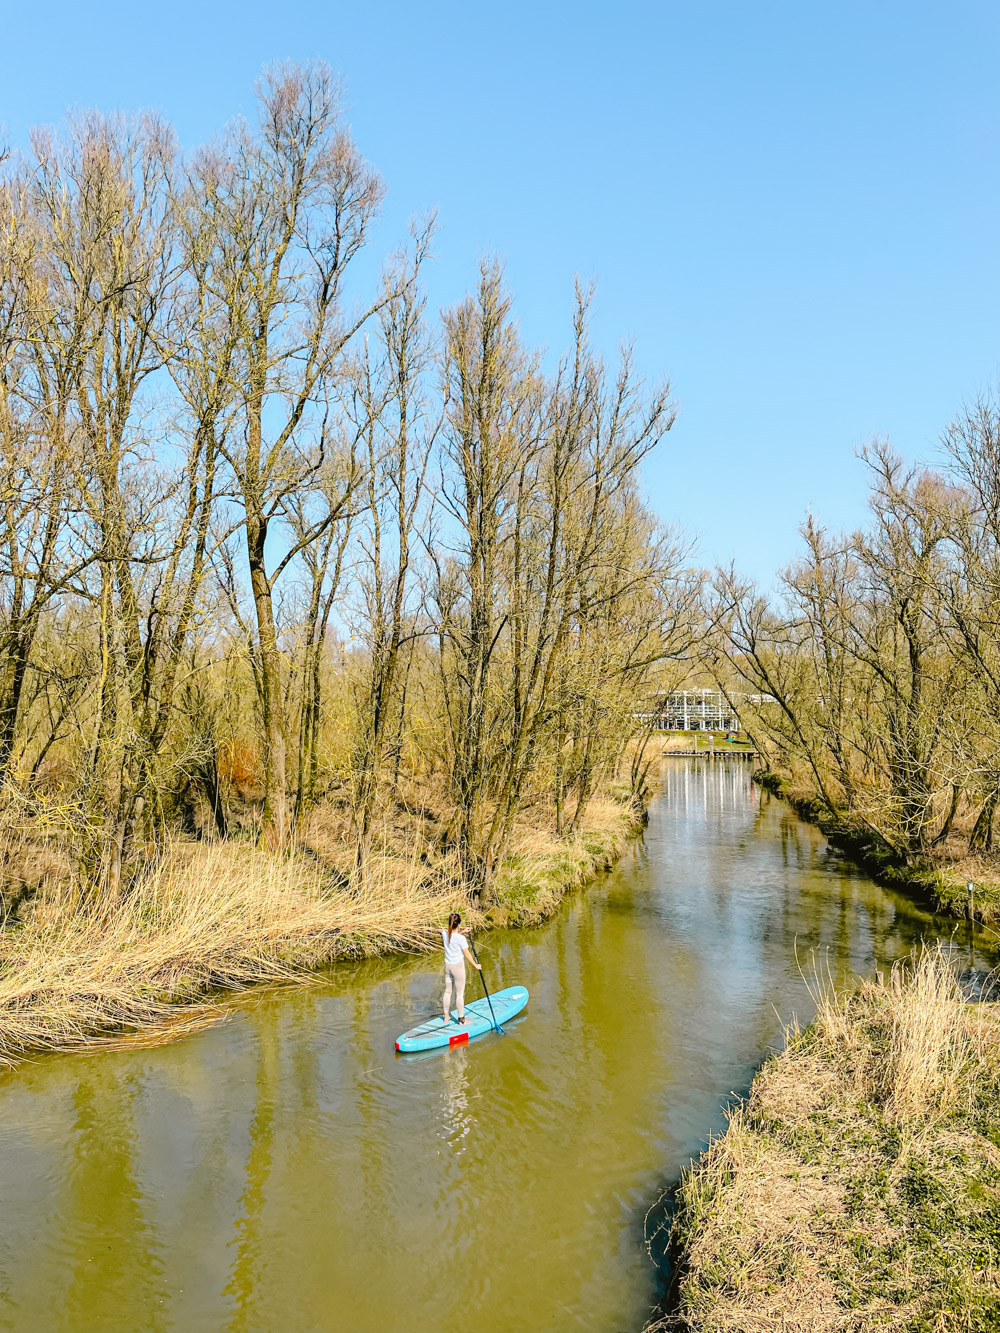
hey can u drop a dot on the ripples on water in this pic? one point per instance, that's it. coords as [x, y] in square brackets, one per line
[288, 1172]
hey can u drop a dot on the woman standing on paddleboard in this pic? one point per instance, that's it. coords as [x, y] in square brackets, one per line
[456, 950]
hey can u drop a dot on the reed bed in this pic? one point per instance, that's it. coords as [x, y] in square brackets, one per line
[209, 920]
[222, 920]
[858, 1187]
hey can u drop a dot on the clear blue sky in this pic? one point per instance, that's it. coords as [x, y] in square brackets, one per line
[792, 208]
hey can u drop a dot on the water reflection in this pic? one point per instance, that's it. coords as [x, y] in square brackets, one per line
[455, 1117]
[288, 1172]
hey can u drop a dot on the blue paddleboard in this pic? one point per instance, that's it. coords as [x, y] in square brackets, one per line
[437, 1032]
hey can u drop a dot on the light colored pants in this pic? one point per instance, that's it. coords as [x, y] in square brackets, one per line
[454, 981]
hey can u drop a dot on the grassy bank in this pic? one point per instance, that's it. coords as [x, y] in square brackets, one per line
[858, 1187]
[211, 919]
[941, 878]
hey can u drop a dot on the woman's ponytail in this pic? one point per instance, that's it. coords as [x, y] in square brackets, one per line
[454, 921]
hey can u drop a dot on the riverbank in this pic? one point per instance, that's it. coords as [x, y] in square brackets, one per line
[211, 920]
[858, 1186]
[940, 879]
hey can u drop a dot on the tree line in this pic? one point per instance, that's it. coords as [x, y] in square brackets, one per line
[264, 519]
[877, 665]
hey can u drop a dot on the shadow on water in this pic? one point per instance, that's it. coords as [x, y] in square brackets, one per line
[287, 1171]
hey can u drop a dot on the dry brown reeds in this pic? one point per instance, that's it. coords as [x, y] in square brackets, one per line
[212, 919]
[858, 1185]
[224, 919]
[914, 1046]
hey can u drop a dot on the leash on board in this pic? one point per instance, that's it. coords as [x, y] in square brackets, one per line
[482, 978]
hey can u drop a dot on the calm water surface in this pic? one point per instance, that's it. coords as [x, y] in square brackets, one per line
[287, 1172]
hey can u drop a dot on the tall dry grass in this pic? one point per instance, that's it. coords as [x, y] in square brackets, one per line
[211, 919]
[224, 918]
[912, 1042]
[857, 1187]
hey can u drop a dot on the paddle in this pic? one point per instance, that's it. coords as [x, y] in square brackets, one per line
[486, 990]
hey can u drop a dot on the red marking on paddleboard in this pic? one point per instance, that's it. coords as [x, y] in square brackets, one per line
[397, 1045]
[458, 1038]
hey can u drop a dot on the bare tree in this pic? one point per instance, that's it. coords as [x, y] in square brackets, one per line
[321, 521]
[291, 208]
[543, 475]
[38, 556]
[392, 407]
[101, 200]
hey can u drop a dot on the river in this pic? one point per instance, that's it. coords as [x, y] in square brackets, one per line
[287, 1172]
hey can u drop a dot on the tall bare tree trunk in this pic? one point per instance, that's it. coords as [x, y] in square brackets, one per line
[275, 813]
